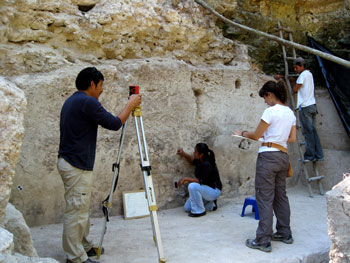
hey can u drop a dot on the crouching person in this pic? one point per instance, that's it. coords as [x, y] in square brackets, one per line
[205, 188]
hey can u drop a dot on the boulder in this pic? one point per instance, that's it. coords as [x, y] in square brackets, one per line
[12, 109]
[6, 244]
[14, 222]
[8, 256]
[338, 218]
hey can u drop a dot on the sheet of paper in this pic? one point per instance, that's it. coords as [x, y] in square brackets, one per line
[241, 137]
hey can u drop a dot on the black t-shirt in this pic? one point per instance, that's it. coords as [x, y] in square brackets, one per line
[80, 116]
[207, 174]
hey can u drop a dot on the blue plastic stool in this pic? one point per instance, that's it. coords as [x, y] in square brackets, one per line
[251, 201]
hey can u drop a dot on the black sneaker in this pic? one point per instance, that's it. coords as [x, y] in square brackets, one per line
[215, 207]
[279, 237]
[86, 261]
[91, 261]
[196, 215]
[93, 252]
[251, 243]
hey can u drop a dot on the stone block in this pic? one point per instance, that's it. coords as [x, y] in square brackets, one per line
[12, 109]
[338, 218]
[14, 222]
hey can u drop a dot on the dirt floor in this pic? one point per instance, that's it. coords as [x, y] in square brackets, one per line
[218, 237]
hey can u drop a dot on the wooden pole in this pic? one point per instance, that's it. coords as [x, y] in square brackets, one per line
[275, 38]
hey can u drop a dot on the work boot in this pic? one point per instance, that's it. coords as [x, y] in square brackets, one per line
[93, 252]
[278, 237]
[251, 243]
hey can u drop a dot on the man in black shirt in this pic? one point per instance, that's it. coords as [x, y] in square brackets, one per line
[80, 116]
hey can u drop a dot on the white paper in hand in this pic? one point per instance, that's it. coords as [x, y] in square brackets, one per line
[241, 137]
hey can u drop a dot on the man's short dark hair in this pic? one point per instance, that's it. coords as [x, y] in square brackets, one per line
[84, 78]
[299, 62]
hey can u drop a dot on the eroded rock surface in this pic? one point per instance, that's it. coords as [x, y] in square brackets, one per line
[8, 256]
[338, 218]
[197, 86]
[22, 238]
[12, 110]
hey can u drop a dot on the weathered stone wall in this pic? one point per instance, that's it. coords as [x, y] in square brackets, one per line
[113, 29]
[338, 218]
[182, 105]
[197, 86]
[7, 254]
[22, 237]
[12, 109]
[325, 20]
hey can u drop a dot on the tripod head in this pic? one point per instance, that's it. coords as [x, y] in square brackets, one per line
[136, 112]
[133, 90]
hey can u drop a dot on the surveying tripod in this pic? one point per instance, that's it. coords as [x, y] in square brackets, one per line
[147, 177]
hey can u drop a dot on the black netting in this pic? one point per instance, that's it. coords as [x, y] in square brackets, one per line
[337, 79]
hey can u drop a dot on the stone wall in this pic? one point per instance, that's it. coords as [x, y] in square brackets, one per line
[197, 86]
[7, 254]
[325, 20]
[57, 33]
[338, 218]
[182, 105]
[22, 237]
[12, 110]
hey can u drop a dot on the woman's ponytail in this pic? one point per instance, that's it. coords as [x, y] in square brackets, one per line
[208, 154]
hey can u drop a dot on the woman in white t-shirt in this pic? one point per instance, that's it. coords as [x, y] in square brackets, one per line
[276, 128]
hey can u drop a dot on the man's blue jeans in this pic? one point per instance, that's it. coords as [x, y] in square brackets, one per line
[313, 147]
[201, 198]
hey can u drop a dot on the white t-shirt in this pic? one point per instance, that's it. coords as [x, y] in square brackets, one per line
[280, 119]
[306, 95]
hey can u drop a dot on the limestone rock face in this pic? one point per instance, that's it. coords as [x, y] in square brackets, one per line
[7, 255]
[43, 45]
[197, 86]
[338, 218]
[14, 222]
[114, 29]
[182, 105]
[6, 244]
[324, 20]
[12, 108]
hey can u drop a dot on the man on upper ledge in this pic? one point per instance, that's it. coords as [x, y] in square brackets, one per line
[80, 116]
[306, 105]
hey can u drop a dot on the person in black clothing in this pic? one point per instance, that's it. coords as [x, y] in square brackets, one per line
[80, 116]
[206, 187]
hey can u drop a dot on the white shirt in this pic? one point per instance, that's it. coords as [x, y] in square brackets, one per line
[306, 95]
[280, 119]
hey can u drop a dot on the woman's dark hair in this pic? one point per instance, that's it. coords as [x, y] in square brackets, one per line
[207, 153]
[278, 89]
[87, 75]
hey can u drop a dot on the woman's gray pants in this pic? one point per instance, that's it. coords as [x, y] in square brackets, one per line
[270, 187]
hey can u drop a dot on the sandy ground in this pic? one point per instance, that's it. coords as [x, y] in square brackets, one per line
[218, 237]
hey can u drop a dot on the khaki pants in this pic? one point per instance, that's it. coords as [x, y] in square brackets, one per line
[77, 185]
